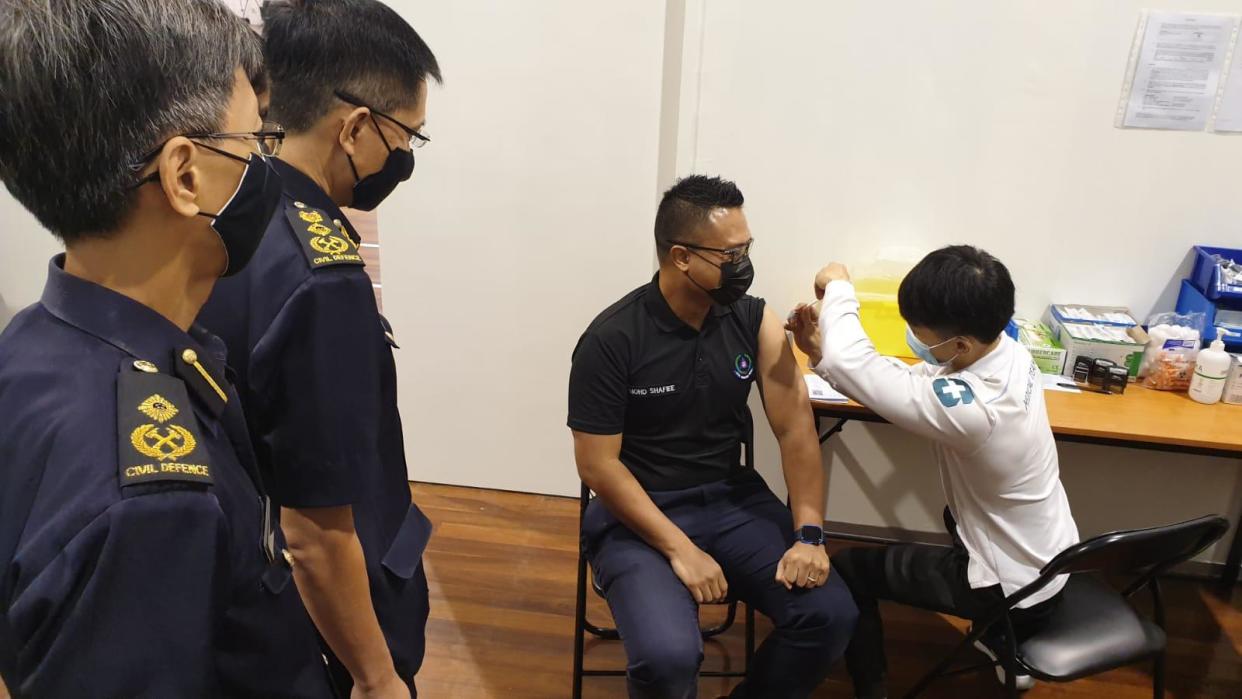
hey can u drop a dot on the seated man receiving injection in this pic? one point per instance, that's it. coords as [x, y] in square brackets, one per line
[657, 405]
[978, 397]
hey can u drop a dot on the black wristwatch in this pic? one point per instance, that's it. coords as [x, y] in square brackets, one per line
[812, 535]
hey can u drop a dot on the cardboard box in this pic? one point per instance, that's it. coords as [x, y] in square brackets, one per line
[1104, 315]
[1039, 340]
[1126, 350]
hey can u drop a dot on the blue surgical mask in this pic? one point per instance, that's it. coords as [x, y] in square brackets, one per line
[922, 351]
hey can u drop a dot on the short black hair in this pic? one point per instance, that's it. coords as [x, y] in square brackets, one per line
[687, 204]
[958, 290]
[258, 72]
[361, 47]
[91, 87]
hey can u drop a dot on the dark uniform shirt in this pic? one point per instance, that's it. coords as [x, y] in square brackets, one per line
[133, 552]
[676, 395]
[316, 374]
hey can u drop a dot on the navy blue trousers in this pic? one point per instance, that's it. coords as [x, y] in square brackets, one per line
[741, 524]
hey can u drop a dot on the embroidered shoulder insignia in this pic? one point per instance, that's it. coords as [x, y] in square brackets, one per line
[157, 440]
[322, 241]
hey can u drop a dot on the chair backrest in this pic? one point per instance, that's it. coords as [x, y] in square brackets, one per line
[1143, 552]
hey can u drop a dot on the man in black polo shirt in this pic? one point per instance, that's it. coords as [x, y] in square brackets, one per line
[657, 405]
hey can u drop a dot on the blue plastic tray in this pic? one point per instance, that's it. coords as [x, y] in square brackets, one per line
[1205, 275]
[1191, 300]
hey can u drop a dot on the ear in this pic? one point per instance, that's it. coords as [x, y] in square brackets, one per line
[680, 257]
[351, 125]
[963, 345]
[180, 177]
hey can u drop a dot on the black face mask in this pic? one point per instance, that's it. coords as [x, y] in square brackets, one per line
[244, 218]
[735, 280]
[369, 191]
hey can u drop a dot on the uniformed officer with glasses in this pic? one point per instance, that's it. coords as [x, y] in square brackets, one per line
[138, 556]
[313, 355]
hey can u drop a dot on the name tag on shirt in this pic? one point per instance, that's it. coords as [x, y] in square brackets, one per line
[650, 391]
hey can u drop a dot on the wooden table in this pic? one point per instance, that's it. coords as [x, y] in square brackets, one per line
[1139, 419]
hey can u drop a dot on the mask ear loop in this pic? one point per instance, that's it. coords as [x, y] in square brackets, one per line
[950, 360]
[154, 176]
[691, 277]
[379, 131]
[929, 348]
[701, 257]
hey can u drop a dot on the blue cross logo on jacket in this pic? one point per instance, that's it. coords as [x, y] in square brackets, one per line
[953, 392]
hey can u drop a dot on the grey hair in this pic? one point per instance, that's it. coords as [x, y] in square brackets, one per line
[91, 86]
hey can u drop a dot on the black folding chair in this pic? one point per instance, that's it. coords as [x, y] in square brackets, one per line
[583, 626]
[1094, 629]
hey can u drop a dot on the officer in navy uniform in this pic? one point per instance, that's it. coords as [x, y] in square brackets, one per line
[312, 353]
[657, 405]
[137, 554]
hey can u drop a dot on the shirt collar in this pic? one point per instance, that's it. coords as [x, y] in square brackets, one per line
[298, 186]
[135, 329]
[665, 319]
[995, 362]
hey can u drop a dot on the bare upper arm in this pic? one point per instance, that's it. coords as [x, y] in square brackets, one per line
[784, 392]
[591, 450]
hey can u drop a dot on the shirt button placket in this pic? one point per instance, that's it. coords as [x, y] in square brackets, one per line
[700, 366]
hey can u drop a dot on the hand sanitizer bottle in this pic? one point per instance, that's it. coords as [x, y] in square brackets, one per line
[1211, 370]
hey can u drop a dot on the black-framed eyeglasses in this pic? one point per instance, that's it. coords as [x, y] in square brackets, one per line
[733, 255]
[268, 141]
[418, 139]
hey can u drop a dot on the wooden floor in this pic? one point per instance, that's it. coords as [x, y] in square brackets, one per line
[502, 569]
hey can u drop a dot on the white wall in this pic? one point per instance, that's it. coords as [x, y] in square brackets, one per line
[529, 213]
[860, 124]
[23, 264]
[850, 125]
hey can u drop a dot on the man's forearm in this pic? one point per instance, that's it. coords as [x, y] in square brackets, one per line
[331, 575]
[804, 477]
[625, 498]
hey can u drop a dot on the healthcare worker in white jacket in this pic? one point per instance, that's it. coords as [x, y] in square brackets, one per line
[978, 397]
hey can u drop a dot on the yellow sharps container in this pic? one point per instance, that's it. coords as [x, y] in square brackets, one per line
[877, 297]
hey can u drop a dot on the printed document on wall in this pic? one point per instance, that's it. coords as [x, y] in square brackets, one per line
[1229, 110]
[1176, 69]
[249, 11]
